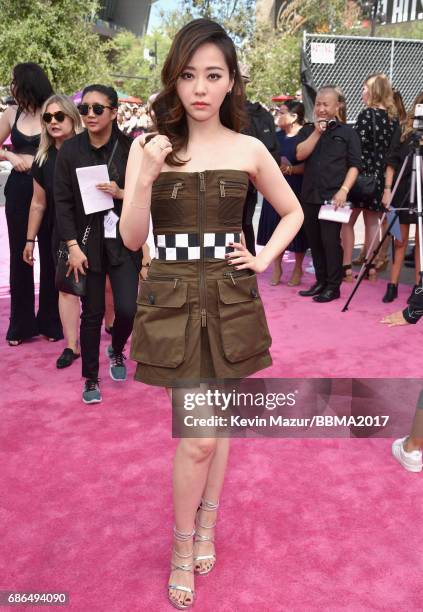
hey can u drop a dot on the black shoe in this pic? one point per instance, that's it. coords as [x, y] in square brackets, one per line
[314, 290]
[66, 359]
[391, 293]
[327, 296]
[412, 293]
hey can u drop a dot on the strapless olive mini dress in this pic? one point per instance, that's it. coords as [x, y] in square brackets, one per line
[198, 318]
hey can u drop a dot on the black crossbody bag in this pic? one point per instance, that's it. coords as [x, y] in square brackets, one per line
[365, 187]
[69, 284]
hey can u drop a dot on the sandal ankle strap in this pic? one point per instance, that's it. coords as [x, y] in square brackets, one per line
[206, 526]
[208, 505]
[183, 556]
[202, 538]
[187, 567]
[182, 537]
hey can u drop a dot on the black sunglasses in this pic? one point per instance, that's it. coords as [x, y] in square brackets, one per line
[60, 116]
[98, 109]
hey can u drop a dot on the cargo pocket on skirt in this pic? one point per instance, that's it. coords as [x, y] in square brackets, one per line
[243, 325]
[160, 324]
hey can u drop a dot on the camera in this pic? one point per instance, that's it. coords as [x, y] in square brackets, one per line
[331, 123]
[418, 118]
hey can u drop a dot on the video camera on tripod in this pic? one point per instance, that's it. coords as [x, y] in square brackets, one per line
[418, 118]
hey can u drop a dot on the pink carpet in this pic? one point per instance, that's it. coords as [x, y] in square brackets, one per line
[305, 525]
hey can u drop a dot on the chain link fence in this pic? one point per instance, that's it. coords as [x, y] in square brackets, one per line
[347, 60]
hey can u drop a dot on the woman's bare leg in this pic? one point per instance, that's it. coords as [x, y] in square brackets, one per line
[400, 248]
[190, 472]
[415, 441]
[211, 493]
[371, 223]
[277, 270]
[347, 236]
[382, 258]
[70, 313]
[297, 272]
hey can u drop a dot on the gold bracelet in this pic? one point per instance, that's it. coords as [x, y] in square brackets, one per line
[344, 188]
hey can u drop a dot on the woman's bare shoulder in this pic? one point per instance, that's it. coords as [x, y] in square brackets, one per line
[246, 141]
[10, 114]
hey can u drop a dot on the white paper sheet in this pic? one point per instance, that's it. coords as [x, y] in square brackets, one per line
[341, 215]
[110, 222]
[93, 199]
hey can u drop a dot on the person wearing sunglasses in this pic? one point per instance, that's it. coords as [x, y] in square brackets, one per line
[101, 143]
[60, 121]
[30, 88]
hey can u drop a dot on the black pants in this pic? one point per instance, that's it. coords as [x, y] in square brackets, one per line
[23, 322]
[247, 219]
[324, 239]
[124, 283]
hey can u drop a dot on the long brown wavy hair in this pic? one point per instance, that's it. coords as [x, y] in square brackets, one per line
[407, 126]
[170, 116]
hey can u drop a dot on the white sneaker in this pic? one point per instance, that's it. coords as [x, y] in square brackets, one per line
[411, 461]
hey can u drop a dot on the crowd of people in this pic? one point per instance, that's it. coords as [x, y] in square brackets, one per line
[134, 119]
[381, 130]
[174, 328]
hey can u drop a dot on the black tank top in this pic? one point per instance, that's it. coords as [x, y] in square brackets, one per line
[21, 142]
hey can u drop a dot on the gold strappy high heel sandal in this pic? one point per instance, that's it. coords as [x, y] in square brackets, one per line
[209, 507]
[187, 567]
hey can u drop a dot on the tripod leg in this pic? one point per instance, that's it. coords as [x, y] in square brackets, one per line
[367, 262]
[363, 268]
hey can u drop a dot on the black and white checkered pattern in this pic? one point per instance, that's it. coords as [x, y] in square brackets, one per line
[176, 247]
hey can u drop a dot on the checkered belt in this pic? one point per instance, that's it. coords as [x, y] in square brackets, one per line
[175, 247]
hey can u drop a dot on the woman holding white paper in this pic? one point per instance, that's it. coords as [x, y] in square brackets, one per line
[90, 177]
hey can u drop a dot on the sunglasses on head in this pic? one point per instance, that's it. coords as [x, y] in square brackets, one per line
[59, 116]
[98, 109]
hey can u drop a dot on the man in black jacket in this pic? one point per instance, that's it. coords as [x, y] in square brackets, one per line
[332, 154]
[261, 126]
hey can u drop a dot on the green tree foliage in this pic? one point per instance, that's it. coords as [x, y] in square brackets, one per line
[128, 61]
[314, 16]
[236, 16]
[57, 35]
[274, 55]
[274, 61]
